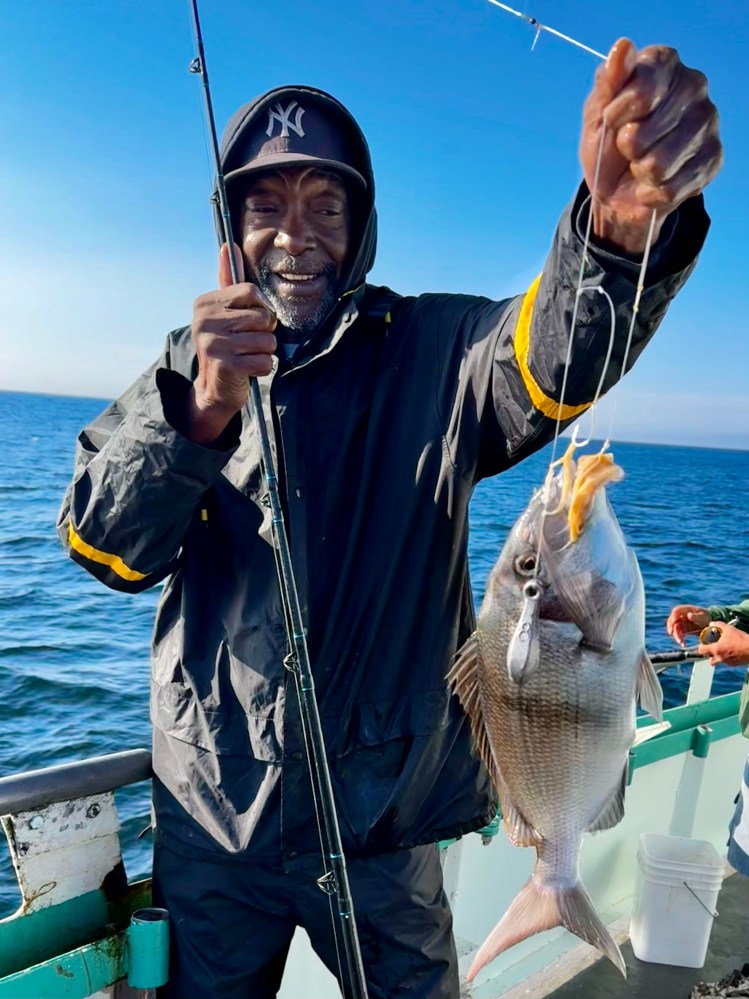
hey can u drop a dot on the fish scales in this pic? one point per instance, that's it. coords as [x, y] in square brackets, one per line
[571, 711]
[549, 682]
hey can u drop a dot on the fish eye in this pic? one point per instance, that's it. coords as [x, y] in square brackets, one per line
[525, 565]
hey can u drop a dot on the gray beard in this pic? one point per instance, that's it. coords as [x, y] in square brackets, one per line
[299, 324]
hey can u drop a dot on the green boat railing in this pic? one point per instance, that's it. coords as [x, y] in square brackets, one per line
[73, 938]
[692, 728]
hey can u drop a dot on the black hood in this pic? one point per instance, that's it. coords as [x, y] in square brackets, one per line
[363, 215]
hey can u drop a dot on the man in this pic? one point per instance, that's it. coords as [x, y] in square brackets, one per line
[731, 647]
[385, 412]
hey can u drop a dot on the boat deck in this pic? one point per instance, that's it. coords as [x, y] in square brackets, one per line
[729, 949]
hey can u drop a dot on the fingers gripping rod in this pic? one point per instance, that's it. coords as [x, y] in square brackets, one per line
[335, 880]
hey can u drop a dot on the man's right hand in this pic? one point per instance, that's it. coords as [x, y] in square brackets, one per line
[686, 619]
[731, 648]
[232, 330]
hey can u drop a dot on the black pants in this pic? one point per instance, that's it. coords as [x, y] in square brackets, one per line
[232, 923]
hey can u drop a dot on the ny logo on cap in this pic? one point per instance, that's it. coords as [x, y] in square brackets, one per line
[278, 114]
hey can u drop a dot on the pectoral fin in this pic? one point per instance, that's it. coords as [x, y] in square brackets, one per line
[649, 691]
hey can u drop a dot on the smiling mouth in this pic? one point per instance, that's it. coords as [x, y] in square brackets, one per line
[289, 284]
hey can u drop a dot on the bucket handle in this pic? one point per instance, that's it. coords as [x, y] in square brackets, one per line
[713, 914]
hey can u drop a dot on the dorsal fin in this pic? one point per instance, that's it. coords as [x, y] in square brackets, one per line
[464, 678]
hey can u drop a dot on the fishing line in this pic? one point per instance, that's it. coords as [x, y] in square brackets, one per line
[580, 290]
[612, 336]
[543, 27]
[521, 649]
[206, 140]
[520, 652]
[335, 880]
[633, 320]
[635, 309]
[593, 410]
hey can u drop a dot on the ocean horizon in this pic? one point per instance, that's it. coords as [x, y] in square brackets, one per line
[104, 401]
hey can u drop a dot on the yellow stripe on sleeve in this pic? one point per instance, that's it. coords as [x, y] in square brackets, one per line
[114, 562]
[549, 407]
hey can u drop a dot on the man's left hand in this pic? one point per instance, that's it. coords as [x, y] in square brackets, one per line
[662, 143]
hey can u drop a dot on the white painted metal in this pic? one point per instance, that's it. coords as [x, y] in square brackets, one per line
[305, 973]
[63, 850]
[701, 681]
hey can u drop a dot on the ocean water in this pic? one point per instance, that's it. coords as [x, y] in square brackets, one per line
[74, 655]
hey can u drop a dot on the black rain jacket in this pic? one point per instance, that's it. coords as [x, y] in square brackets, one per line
[381, 428]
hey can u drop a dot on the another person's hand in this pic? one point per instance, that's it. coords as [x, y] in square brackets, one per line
[662, 142]
[232, 330]
[732, 648]
[686, 619]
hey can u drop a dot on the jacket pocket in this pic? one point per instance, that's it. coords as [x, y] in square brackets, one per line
[220, 705]
[226, 731]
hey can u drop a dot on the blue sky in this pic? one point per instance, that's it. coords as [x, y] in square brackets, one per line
[105, 230]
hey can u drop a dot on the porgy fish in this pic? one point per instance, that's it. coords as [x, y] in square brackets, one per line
[549, 681]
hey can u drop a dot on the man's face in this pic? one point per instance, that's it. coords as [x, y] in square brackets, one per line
[295, 237]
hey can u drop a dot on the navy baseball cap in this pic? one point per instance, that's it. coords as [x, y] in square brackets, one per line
[295, 126]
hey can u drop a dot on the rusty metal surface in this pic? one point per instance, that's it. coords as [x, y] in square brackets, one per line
[65, 849]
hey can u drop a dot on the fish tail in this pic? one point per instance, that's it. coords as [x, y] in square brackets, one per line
[535, 909]
[578, 915]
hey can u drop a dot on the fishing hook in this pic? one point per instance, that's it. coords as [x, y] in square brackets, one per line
[581, 289]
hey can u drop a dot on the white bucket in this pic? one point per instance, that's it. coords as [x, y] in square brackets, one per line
[677, 886]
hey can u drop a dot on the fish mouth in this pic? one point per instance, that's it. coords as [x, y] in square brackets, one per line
[576, 488]
[584, 553]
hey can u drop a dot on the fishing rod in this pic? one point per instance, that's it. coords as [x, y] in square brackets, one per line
[335, 880]
[664, 660]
